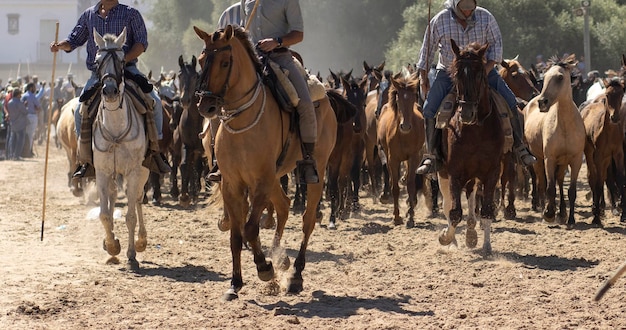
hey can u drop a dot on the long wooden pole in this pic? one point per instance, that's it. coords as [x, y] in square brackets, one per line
[251, 16]
[50, 103]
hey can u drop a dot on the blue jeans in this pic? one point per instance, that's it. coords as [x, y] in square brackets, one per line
[158, 107]
[443, 84]
[17, 143]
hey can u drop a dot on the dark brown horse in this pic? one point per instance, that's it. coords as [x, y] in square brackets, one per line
[254, 147]
[401, 135]
[189, 127]
[473, 145]
[604, 144]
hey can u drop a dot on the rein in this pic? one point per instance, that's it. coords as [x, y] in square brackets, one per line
[475, 103]
[108, 136]
[203, 88]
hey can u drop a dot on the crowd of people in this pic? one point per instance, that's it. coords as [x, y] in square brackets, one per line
[25, 103]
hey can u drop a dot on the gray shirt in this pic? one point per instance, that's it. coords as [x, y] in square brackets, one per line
[274, 18]
[17, 114]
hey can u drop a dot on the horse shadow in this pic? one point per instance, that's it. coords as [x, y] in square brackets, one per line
[188, 273]
[349, 306]
[552, 262]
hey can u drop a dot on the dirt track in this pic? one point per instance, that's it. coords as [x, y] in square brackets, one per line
[368, 274]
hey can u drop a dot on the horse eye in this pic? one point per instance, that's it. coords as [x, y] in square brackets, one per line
[225, 64]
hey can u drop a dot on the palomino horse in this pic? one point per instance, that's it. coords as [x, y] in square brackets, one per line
[254, 147]
[473, 145]
[119, 147]
[66, 133]
[401, 135]
[555, 133]
[189, 126]
[604, 144]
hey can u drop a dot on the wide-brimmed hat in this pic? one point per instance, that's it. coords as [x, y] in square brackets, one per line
[467, 4]
[610, 72]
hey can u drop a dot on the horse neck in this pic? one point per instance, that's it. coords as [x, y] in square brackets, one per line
[117, 121]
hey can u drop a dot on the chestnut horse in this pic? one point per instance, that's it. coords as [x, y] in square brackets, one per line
[254, 147]
[401, 135]
[555, 133]
[603, 144]
[472, 145]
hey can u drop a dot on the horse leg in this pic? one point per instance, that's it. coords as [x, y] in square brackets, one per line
[455, 214]
[413, 185]
[280, 201]
[560, 180]
[107, 193]
[333, 190]
[487, 212]
[356, 178]
[386, 198]
[394, 176]
[571, 193]
[314, 194]
[185, 174]
[471, 236]
[235, 209]
[259, 197]
[134, 193]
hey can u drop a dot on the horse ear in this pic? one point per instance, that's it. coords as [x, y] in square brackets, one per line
[98, 38]
[181, 63]
[149, 74]
[344, 82]
[366, 67]
[200, 33]
[229, 32]
[193, 61]
[483, 50]
[455, 48]
[121, 39]
[381, 67]
[378, 74]
[623, 60]
[504, 64]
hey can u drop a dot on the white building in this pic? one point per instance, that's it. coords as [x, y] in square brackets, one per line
[27, 27]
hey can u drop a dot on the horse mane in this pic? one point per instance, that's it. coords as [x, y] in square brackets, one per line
[566, 63]
[404, 82]
[244, 38]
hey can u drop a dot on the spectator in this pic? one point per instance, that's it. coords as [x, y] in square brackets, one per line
[33, 108]
[19, 120]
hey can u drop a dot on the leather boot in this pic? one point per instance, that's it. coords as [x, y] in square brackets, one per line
[306, 167]
[432, 158]
[215, 175]
[84, 170]
[522, 154]
[156, 163]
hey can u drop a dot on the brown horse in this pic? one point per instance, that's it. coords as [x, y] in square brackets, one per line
[555, 133]
[401, 135]
[373, 108]
[254, 147]
[521, 84]
[66, 133]
[472, 145]
[604, 143]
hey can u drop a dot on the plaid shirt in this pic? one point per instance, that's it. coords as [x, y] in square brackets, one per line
[444, 27]
[119, 17]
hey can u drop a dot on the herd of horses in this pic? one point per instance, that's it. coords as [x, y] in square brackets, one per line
[373, 122]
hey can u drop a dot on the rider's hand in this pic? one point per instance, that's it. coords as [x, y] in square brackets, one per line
[267, 45]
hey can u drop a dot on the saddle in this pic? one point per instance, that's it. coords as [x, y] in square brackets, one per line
[449, 105]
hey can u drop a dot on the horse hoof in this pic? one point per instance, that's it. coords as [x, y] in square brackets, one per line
[444, 239]
[331, 225]
[140, 244]
[266, 272]
[230, 295]
[184, 201]
[284, 263]
[410, 224]
[145, 199]
[113, 261]
[114, 248]
[295, 286]
[77, 192]
[223, 224]
[471, 238]
[397, 222]
[386, 199]
[133, 264]
[510, 214]
[267, 222]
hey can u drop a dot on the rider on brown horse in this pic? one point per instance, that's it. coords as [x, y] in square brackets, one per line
[464, 22]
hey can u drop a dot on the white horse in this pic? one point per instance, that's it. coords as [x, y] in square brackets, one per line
[119, 146]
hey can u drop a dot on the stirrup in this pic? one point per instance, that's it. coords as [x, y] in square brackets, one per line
[215, 176]
[524, 157]
[428, 165]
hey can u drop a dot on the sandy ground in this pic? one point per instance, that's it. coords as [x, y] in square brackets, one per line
[368, 274]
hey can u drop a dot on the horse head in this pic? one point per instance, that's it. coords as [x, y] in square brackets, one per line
[403, 97]
[614, 93]
[556, 82]
[188, 79]
[355, 92]
[518, 79]
[383, 91]
[110, 67]
[229, 67]
[470, 79]
[373, 75]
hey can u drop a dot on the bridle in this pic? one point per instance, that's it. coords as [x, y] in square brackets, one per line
[118, 68]
[472, 104]
[202, 90]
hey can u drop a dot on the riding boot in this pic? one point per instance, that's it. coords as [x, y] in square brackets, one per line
[521, 151]
[155, 162]
[214, 175]
[431, 162]
[306, 167]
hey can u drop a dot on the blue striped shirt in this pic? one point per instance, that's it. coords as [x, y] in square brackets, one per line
[444, 27]
[232, 16]
[118, 18]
